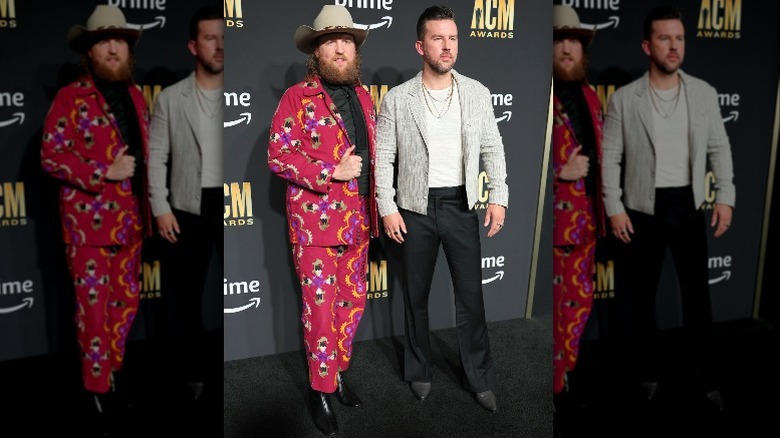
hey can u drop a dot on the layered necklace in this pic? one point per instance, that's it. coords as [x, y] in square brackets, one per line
[208, 105]
[665, 103]
[446, 102]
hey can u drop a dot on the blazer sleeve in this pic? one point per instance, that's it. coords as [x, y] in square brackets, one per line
[159, 153]
[612, 144]
[719, 152]
[492, 153]
[386, 150]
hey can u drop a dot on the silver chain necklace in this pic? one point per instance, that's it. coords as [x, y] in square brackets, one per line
[208, 106]
[676, 99]
[448, 99]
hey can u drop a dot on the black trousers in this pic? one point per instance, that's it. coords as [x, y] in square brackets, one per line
[449, 223]
[682, 228]
[185, 268]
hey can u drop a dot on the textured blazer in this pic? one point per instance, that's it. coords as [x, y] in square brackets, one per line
[570, 200]
[80, 141]
[402, 139]
[306, 143]
[628, 137]
[175, 142]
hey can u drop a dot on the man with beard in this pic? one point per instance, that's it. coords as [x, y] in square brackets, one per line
[322, 142]
[95, 142]
[660, 132]
[422, 130]
[578, 212]
[185, 183]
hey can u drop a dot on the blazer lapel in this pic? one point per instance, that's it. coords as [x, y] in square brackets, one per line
[416, 105]
[644, 107]
[190, 104]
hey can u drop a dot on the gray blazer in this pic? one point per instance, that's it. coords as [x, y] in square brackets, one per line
[401, 135]
[628, 138]
[174, 142]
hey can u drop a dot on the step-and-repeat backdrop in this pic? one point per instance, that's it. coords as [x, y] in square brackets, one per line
[505, 44]
[36, 296]
[733, 45]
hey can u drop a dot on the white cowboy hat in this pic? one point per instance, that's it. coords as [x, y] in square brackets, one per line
[105, 21]
[567, 22]
[332, 19]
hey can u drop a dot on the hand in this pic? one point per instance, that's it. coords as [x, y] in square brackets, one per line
[622, 227]
[721, 217]
[168, 227]
[576, 167]
[123, 166]
[349, 167]
[495, 213]
[395, 227]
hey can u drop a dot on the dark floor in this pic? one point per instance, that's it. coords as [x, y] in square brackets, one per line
[613, 406]
[42, 396]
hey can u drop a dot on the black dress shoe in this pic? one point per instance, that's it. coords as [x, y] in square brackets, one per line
[345, 395]
[421, 389]
[487, 399]
[715, 399]
[322, 413]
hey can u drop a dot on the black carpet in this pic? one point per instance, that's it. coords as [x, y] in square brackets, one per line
[609, 404]
[267, 396]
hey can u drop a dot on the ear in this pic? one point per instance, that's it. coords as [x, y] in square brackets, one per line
[191, 46]
[418, 45]
[646, 47]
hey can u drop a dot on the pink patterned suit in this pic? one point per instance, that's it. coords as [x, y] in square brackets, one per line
[101, 223]
[575, 231]
[329, 223]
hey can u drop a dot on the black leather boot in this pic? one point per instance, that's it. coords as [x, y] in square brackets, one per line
[322, 413]
[345, 395]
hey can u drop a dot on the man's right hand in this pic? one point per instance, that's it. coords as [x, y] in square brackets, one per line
[349, 167]
[576, 166]
[622, 227]
[168, 227]
[395, 227]
[123, 166]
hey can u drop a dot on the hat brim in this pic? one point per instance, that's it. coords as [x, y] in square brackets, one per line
[584, 35]
[81, 40]
[305, 37]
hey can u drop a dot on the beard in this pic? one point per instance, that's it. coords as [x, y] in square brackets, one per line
[439, 66]
[124, 73]
[347, 75]
[211, 66]
[666, 67]
[577, 73]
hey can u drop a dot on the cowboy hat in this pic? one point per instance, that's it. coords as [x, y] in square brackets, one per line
[105, 21]
[567, 22]
[332, 19]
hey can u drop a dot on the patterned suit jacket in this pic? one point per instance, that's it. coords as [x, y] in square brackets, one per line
[80, 141]
[570, 202]
[307, 141]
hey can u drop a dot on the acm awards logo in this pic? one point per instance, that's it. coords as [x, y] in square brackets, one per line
[233, 99]
[7, 14]
[604, 92]
[482, 191]
[241, 289]
[605, 280]
[728, 101]
[710, 194]
[238, 204]
[720, 19]
[14, 101]
[496, 267]
[599, 5]
[13, 207]
[377, 280]
[381, 5]
[233, 13]
[377, 93]
[19, 292]
[149, 5]
[150, 93]
[493, 19]
[502, 100]
[150, 280]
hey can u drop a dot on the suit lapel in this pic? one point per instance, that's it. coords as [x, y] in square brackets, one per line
[645, 107]
[416, 105]
[190, 104]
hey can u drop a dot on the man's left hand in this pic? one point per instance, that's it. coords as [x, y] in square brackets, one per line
[495, 213]
[721, 218]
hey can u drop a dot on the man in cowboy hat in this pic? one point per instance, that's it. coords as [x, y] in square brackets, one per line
[95, 142]
[421, 130]
[578, 211]
[322, 143]
[660, 133]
